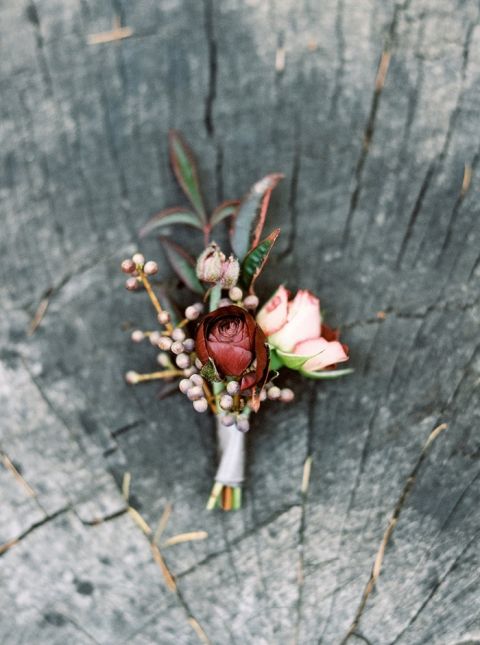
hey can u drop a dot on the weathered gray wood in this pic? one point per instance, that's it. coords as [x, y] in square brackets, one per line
[374, 219]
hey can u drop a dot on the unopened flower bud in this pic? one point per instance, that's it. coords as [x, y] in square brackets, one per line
[155, 338]
[228, 420]
[274, 393]
[165, 343]
[151, 267]
[287, 395]
[183, 361]
[233, 387]
[198, 363]
[128, 266]
[164, 359]
[251, 302]
[195, 392]
[131, 377]
[190, 371]
[178, 334]
[137, 336]
[138, 259]
[226, 402]
[184, 385]
[243, 424]
[199, 306]
[235, 294]
[177, 347]
[163, 317]
[224, 302]
[191, 313]
[132, 284]
[210, 264]
[189, 344]
[230, 272]
[263, 395]
[197, 379]
[201, 405]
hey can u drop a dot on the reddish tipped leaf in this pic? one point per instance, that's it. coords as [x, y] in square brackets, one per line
[185, 170]
[255, 261]
[175, 215]
[182, 264]
[226, 209]
[251, 214]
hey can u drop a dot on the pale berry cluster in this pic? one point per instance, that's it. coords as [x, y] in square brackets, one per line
[178, 358]
[135, 267]
[235, 297]
[274, 393]
[177, 350]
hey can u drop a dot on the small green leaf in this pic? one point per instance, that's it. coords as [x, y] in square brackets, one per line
[185, 169]
[256, 259]
[250, 210]
[275, 362]
[182, 264]
[209, 372]
[294, 361]
[175, 215]
[226, 209]
[327, 374]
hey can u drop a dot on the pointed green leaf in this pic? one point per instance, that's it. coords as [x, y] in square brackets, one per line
[224, 210]
[250, 211]
[327, 374]
[185, 169]
[182, 264]
[294, 361]
[169, 216]
[256, 259]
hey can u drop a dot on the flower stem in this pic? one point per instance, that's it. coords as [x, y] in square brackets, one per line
[214, 298]
[214, 495]
[237, 498]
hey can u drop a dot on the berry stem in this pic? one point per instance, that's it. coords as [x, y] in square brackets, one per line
[210, 398]
[158, 375]
[152, 296]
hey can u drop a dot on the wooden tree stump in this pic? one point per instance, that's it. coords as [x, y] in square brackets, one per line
[370, 108]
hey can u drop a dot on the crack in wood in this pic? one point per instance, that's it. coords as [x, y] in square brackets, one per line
[377, 564]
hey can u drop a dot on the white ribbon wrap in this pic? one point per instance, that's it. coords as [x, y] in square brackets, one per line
[231, 447]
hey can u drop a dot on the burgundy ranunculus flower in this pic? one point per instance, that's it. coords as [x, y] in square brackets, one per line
[235, 343]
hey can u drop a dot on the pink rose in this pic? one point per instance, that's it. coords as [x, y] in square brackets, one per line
[273, 315]
[296, 327]
[288, 323]
[324, 353]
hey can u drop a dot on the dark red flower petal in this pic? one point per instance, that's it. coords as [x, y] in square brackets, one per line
[200, 344]
[230, 360]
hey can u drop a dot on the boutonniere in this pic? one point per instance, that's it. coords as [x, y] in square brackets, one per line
[227, 352]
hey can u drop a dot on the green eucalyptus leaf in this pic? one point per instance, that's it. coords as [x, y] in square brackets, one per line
[185, 169]
[182, 264]
[250, 215]
[169, 216]
[224, 210]
[327, 374]
[256, 259]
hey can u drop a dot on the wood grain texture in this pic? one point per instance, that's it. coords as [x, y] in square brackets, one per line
[374, 219]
